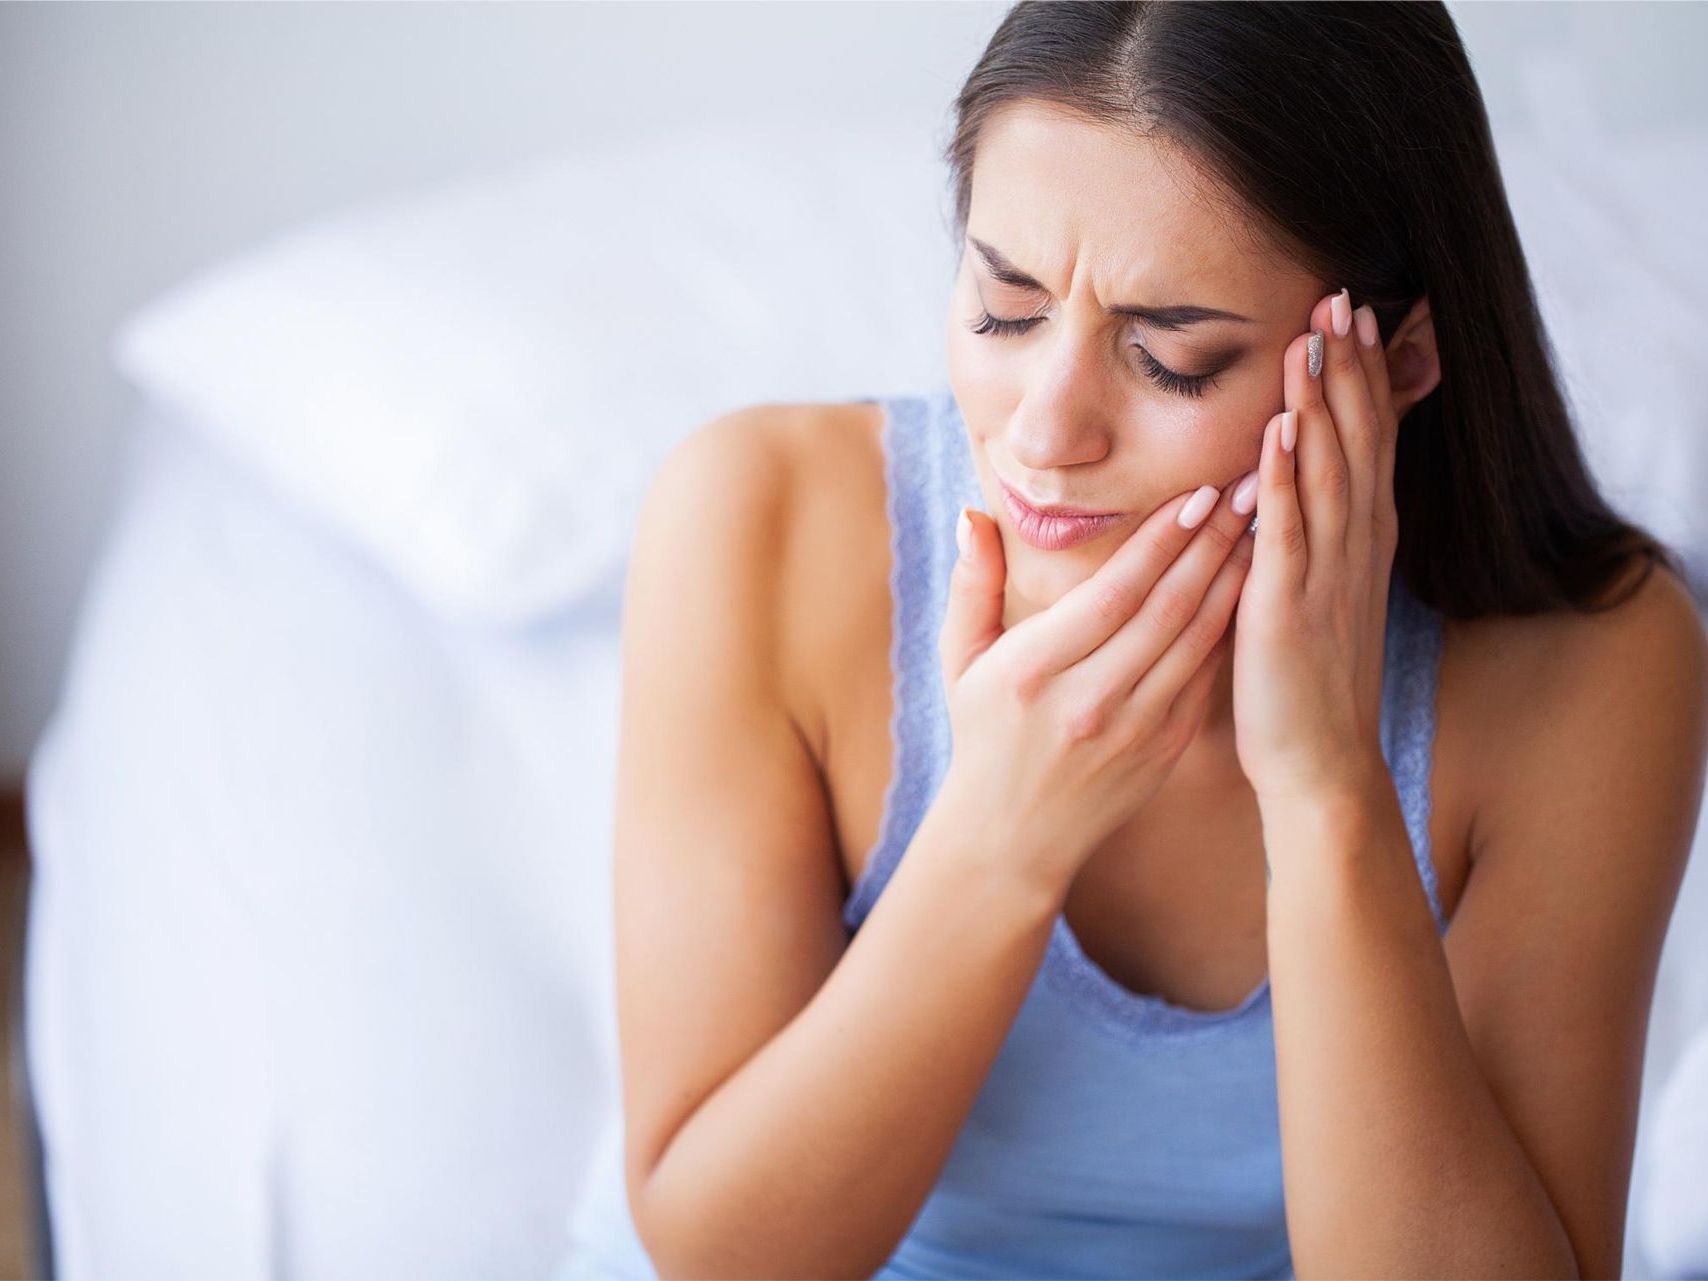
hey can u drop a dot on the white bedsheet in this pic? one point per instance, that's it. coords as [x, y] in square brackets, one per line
[318, 962]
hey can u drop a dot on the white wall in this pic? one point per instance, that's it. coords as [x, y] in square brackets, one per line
[138, 142]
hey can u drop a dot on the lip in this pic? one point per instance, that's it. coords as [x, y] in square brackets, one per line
[1054, 528]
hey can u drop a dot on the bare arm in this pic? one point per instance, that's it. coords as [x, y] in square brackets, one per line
[790, 1097]
[1468, 1106]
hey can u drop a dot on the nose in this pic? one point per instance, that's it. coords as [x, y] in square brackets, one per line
[1043, 438]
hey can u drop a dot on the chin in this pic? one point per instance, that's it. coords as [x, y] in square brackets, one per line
[1041, 578]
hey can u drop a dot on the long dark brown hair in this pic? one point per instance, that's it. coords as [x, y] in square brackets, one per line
[1357, 134]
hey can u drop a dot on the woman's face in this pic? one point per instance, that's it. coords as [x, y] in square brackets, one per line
[1088, 407]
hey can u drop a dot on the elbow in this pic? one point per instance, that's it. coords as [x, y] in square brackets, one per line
[695, 1243]
[679, 1241]
[653, 1229]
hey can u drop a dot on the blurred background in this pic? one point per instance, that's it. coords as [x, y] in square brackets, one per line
[336, 344]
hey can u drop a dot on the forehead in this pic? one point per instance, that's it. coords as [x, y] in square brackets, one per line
[1063, 198]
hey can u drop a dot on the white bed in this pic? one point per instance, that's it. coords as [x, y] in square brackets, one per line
[314, 946]
[318, 974]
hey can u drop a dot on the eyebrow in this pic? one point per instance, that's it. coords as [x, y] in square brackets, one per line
[1173, 317]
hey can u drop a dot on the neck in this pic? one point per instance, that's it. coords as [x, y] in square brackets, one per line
[1219, 715]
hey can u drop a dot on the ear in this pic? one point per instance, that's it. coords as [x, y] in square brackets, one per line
[1414, 366]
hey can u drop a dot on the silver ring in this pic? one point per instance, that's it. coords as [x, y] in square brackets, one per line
[1252, 528]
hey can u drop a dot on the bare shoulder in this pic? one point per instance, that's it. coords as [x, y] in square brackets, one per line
[798, 491]
[1522, 661]
[1544, 698]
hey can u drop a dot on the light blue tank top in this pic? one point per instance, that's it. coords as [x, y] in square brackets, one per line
[1117, 1134]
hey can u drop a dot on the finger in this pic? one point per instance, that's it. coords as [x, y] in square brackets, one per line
[1346, 388]
[1091, 611]
[1282, 553]
[1322, 473]
[1375, 358]
[1171, 607]
[1160, 684]
[972, 619]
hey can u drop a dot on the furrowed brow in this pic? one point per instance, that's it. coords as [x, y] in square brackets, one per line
[1175, 316]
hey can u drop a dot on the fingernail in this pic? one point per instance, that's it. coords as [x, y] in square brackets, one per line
[1289, 430]
[1314, 354]
[1340, 313]
[1245, 496]
[1198, 506]
[1366, 325]
[964, 534]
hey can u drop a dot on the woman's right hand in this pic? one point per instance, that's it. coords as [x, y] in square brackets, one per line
[1065, 725]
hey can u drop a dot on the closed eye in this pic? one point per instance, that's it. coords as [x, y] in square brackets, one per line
[1192, 385]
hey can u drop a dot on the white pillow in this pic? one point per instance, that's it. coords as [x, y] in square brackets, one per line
[477, 382]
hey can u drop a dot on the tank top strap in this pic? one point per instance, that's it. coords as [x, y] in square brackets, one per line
[929, 477]
[1410, 675]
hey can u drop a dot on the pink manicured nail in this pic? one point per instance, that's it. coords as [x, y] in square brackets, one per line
[1198, 506]
[1289, 429]
[1245, 496]
[1366, 325]
[1340, 313]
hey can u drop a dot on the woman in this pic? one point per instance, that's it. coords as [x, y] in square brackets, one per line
[1078, 905]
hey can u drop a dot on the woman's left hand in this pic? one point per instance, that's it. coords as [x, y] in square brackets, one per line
[1312, 616]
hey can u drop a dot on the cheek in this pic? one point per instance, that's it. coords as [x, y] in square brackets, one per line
[1183, 445]
[1209, 436]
